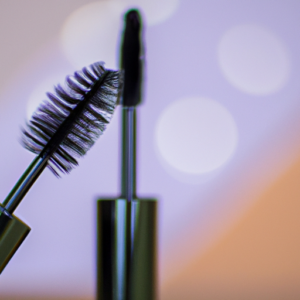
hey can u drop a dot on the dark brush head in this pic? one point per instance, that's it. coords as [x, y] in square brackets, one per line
[66, 125]
[131, 59]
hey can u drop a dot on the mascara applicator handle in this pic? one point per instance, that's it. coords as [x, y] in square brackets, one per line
[132, 65]
[24, 184]
[12, 230]
[82, 111]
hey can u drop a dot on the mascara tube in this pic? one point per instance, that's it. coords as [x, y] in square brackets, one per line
[127, 249]
[127, 226]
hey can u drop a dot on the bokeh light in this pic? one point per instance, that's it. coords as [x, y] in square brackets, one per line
[193, 48]
[196, 135]
[155, 11]
[91, 34]
[38, 94]
[253, 59]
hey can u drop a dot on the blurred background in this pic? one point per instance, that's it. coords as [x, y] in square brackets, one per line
[218, 144]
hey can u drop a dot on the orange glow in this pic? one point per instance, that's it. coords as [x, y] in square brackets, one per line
[257, 259]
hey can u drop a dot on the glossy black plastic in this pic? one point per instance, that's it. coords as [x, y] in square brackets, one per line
[132, 59]
[127, 250]
[12, 233]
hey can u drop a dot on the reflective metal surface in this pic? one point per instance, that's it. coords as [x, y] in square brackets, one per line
[127, 250]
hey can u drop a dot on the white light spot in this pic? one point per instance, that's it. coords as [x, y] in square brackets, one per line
[196, 135]
[155, 11]
[91, 33]
[38, 95]
[254, 60]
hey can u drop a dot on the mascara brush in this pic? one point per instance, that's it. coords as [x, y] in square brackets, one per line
[62, 129]
[131, 64]
[126, 261]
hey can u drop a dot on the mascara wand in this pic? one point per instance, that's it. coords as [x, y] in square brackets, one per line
[126, 259]
[63, 128]
[132, 64]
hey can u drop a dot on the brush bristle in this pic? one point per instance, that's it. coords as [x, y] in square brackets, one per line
[68, 123]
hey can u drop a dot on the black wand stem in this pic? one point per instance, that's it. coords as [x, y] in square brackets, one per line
[128, 189]
[24, 183]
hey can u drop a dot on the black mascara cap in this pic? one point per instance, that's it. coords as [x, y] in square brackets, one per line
[131, 59]
[12, 233]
